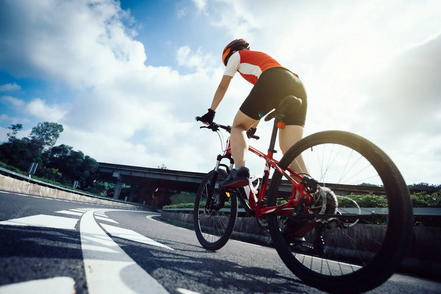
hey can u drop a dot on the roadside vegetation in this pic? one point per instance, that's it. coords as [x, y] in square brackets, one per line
[58, 165]
[419, 199]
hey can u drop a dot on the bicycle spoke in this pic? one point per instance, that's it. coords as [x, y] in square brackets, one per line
[212, 220]
[345, 227]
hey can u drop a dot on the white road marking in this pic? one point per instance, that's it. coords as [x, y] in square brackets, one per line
[82, 210]
[105, 219]
[108, 268]
[151, 217]
[61, 285]
[132, 236]
[42, 220]
[100, 214]
[185, 291]
[70, 212]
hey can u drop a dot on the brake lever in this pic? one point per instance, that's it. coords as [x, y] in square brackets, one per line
[214, 127]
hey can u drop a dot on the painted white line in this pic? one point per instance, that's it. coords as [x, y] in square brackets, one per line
[106, 219]
[151, 217]
[100, 214]
[70, 212]
[42, 220]
[82, 210]
[61, 285]
[132, 236]
[185, 291]
[108, 268]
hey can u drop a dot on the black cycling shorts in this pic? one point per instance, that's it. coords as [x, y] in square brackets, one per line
[272, 86]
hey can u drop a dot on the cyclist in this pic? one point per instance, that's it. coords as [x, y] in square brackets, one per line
[272, 83]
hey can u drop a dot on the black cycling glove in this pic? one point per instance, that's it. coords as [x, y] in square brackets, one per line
[208, 117]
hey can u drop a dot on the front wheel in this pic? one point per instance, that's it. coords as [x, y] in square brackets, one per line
[353, 235]
[215, 211]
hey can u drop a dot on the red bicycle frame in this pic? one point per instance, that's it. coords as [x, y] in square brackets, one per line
[257, 204]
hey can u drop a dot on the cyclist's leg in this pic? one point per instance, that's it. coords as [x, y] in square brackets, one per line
[288, 136]
[295, 122]
[238, 138]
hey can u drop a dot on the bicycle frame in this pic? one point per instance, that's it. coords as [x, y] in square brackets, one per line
[256, 205]
[314, 234]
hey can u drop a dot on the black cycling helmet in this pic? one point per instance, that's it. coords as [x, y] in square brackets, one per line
[235, 45]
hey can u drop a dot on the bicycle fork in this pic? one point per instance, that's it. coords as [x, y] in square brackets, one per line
[222, 194]
[219, 159]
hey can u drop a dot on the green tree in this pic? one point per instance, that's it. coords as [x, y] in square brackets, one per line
[73, 165]
[21, 153]
[59, 163]
[47, 133]
[15, 129]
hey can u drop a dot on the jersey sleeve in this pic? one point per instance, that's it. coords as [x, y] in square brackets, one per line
[232, 65]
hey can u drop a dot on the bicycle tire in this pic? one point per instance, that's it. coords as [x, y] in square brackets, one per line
[214, 226]
[348, 261]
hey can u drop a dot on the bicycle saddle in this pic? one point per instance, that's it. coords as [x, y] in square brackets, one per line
[288, 104]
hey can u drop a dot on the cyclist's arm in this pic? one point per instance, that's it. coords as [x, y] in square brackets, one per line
[220, 92]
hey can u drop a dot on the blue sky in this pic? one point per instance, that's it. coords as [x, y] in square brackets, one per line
[126, 79]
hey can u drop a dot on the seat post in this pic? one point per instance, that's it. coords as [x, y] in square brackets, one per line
[274, 136]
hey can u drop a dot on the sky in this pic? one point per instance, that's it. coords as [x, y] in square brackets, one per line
[127, 78]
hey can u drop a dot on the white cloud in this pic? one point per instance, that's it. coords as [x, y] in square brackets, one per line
[405, 110]
[128, 112]
[4, 117]
[195, 60]
[354, 63]
[41, 110]
[15, 102]
[62, 45]
[200, 4]
[9, 87]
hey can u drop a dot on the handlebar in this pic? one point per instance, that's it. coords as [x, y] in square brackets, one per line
[215, 127]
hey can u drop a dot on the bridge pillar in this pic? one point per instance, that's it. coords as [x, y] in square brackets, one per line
[118, 187]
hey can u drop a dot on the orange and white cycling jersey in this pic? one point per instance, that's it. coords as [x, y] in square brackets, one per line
[250, 64]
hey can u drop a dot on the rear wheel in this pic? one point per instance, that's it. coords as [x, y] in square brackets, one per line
[354, 234]
[215, 211]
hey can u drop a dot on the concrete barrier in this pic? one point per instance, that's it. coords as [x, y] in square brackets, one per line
[9, 184]
[423, 258]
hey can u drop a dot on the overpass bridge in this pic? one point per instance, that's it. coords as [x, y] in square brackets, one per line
[147, 182]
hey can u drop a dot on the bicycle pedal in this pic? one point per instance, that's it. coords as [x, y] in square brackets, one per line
[228, 189]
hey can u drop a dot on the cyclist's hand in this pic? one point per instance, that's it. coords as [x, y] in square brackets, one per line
[208, 117]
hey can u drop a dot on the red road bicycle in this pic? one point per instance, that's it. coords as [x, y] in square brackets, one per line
[323, 229]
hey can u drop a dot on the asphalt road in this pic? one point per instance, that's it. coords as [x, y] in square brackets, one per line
[50, 246]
